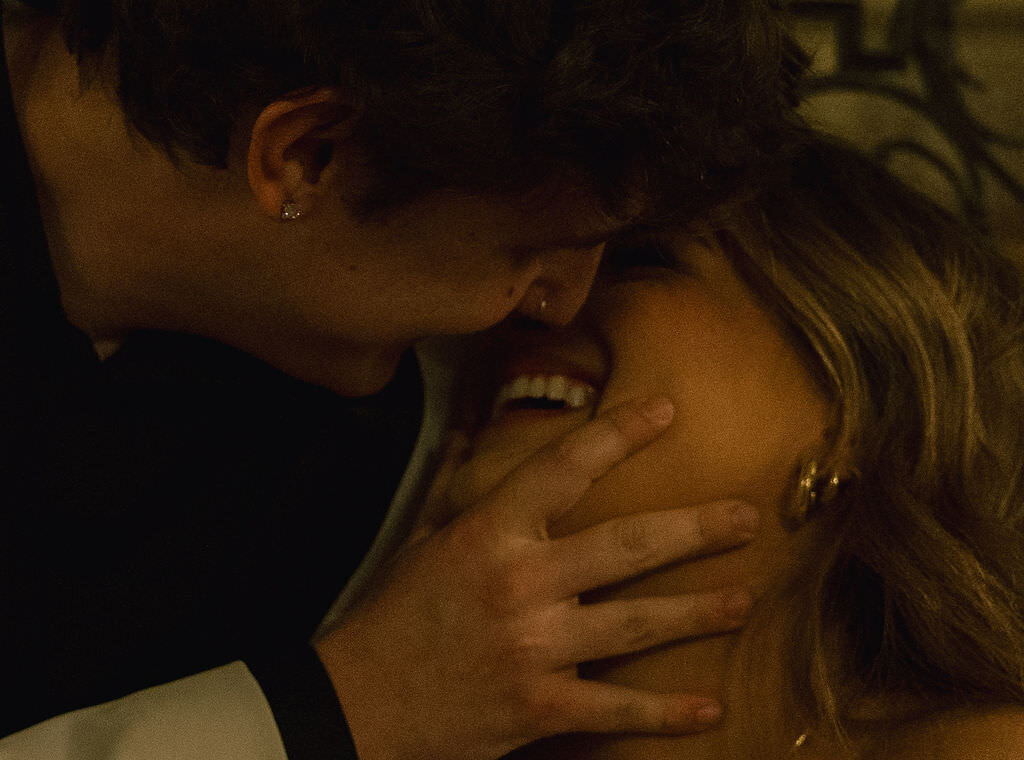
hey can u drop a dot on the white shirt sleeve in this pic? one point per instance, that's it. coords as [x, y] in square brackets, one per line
[220, 714]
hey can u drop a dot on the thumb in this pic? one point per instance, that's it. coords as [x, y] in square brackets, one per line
[437, 509]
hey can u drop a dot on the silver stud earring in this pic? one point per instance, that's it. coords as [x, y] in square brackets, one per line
[290, 211]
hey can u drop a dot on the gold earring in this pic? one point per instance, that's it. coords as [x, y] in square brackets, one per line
[813, 489]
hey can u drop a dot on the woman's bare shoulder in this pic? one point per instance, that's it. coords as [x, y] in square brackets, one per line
[989, 734]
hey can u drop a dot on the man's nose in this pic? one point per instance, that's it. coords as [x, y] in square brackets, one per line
[561, 288]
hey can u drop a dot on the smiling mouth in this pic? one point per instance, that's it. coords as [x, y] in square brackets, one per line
[549, 393]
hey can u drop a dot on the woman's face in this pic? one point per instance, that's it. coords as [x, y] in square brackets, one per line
[747, 410]
[668, 315]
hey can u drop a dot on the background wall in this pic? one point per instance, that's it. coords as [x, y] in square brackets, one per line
[936, 87]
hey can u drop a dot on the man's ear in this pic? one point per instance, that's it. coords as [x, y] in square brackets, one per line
[294, 148]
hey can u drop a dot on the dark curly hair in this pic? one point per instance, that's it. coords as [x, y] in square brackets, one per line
[478, 95]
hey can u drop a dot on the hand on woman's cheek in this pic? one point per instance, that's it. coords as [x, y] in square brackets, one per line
[747, 411]
[747, 408]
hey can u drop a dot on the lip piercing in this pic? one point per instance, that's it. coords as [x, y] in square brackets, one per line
[543, 304]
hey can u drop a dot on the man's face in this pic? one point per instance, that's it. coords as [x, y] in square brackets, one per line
[141, 241]
[446, 264]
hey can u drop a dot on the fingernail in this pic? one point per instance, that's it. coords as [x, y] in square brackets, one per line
[709, 713]
[745, 519]
[659, 410]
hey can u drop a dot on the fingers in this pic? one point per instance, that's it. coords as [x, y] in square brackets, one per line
[625, 547]
[626, 626]
[550, 482]
[593, 707]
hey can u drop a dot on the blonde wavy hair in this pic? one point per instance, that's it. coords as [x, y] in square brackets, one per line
[909, 595]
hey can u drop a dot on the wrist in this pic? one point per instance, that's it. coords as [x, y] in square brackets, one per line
[361, 694]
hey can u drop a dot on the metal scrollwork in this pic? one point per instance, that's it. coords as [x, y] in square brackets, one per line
[920, 36]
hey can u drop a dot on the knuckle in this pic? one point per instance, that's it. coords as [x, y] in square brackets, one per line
[699, 614]
[638, 630]
[629, 716]
[523, 652]
[615, 423]
[603, 438]
[569, 455]
[515, 581]
[611, 434]
[704, 529]
[715, 612]
[633, 536]
[505, 589]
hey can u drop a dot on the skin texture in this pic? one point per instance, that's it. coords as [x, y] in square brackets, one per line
[501, 624]
[996, 734]
[141, 241]
[747, 411]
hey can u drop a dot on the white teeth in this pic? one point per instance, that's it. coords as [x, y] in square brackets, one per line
[538, 387]
[576, 397]
[558, 386]
[520, 388]
[574, 393]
